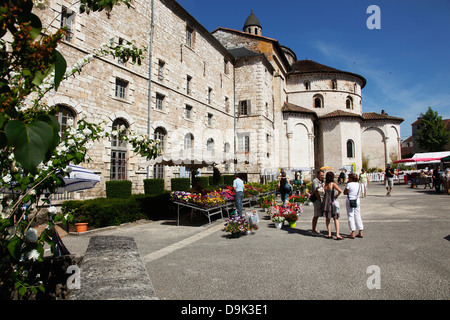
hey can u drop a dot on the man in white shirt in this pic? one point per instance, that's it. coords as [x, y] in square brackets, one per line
[238, 186]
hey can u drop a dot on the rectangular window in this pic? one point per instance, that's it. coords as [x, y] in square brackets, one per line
[161, 65]
[118, 165]
[159, 101]
[67, 19]
[188, 85]
[158, 171]
[244, 107]
[210, 119]
[227, 104]
[209, 95]
[188, 112]
[121, 88]
[225, 66]
[189, 36]
[244, 142]
[121, 42]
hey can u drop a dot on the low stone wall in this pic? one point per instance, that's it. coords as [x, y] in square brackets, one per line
[112, 269]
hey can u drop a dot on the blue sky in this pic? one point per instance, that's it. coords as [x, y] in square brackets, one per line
[406, 62]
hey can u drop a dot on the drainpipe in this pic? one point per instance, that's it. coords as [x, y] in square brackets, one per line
[149, 93]
[234, 114]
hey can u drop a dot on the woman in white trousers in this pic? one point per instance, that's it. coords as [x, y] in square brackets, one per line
[352, 190]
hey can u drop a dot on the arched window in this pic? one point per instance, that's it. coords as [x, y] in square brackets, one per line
[318, 101]
[118, 151]
[160, 134]
[210, 144]
[350, 149]
[349, 103]
[307, 85]
[65, 117]
[333, 84]
[188, 141]
[226, 147]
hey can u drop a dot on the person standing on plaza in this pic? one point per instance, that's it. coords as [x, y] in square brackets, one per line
[436, 179]
[353, 213]
[389, 179]
[327, 204]
[238, 186]
[317, 190]
[364, 180]
[284, 192]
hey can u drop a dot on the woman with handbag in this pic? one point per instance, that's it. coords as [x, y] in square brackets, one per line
[353, 206]
[327, 204]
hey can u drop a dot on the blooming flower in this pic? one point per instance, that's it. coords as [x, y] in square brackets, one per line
[52, 210]
[33, 255]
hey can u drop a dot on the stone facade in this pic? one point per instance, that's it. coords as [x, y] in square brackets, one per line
[225, 90]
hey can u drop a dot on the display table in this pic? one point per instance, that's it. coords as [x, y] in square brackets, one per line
[212, 211]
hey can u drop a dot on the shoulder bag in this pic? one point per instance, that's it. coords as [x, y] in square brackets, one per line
[354, 203]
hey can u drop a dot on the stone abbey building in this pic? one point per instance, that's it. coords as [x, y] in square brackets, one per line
[231, 91]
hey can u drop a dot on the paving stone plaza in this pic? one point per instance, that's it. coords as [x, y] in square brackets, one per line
[404, 255]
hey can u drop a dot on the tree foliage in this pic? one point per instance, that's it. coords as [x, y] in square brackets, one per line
[33, 157]
[433, 135]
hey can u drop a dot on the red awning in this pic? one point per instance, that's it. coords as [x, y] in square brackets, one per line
[417, 160]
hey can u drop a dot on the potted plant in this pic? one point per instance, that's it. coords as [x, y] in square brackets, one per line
[278, 219]
[291, 216]
[236, 226]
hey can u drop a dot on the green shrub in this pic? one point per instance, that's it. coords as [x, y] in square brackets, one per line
[180, 184]
[103, 212]
[228, 179]
[199, 183]
[153, 186]
[118, 189]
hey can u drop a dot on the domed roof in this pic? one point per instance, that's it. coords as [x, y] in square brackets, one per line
[252, 20]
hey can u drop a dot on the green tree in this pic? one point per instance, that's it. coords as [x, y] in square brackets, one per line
[433, 136]
[33, 157]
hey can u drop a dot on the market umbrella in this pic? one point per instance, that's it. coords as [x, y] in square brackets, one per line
[79, 179]
[326, 168]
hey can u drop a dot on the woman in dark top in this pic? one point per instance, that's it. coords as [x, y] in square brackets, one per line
[281, 186]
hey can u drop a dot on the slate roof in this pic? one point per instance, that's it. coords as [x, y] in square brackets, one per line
[341, 114]
[290, 107]
[309, 66]
[252, 20]
[380, 116]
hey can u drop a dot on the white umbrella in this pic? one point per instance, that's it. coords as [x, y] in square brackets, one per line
[79, 179]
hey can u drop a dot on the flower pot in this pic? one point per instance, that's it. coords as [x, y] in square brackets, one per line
[278, 224]
[81, 227]
[292, 224]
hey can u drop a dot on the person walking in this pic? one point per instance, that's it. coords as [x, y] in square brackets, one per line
[389, 179]
[327, 204]
[282, 186]
[238, 186]
[364, 180]
[353, 213]
[317, 190]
